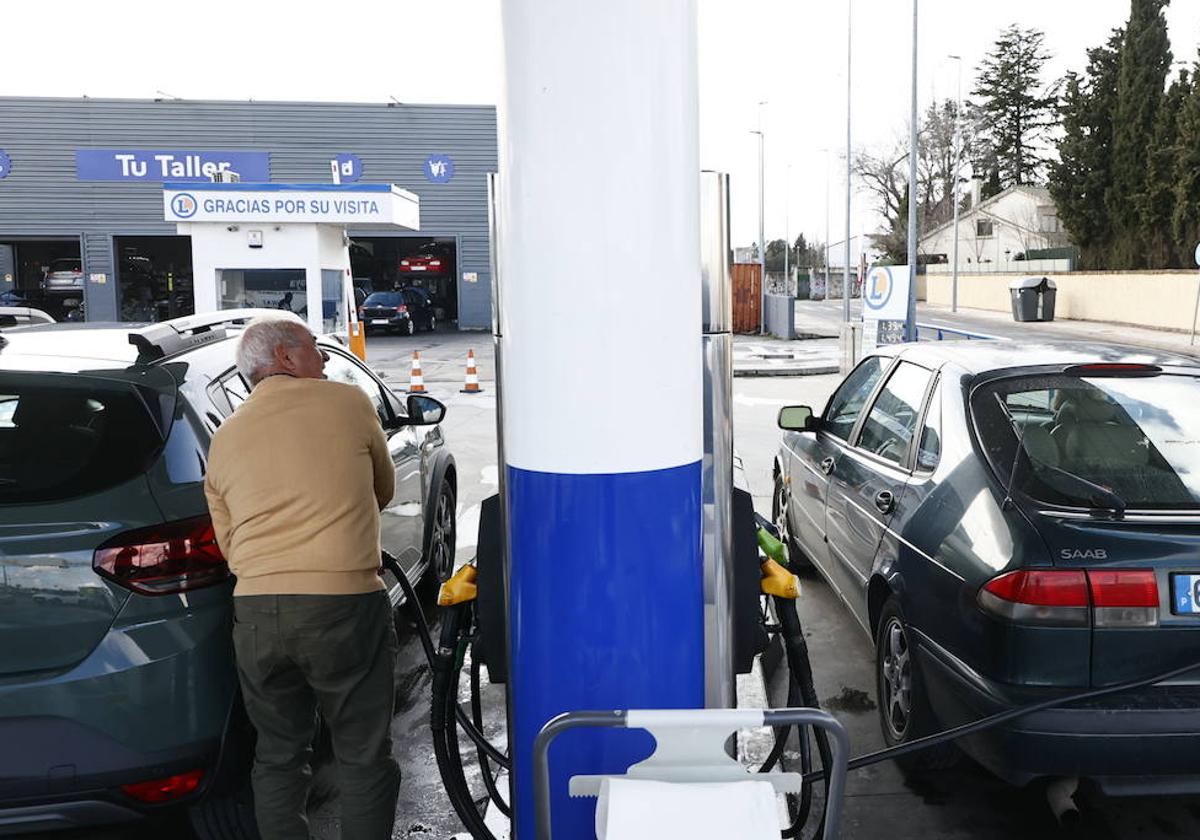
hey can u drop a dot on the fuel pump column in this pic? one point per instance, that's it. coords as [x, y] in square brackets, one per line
[599, 337]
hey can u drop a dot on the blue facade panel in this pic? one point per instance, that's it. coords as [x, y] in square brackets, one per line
[44, 196]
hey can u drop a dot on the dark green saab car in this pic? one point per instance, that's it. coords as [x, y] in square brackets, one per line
[1013, 524]
[118, 695]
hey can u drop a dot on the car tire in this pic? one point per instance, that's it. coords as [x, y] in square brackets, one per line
[443, 534]
[227, 810]
[797, 559]
[228, 817]
[409, 327]
[904, 711]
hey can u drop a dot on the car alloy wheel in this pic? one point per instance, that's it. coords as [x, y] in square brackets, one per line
[895, 679]
[779, 507]
[442, 537]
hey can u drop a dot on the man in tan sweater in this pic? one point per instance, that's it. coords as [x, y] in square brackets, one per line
[296, 479]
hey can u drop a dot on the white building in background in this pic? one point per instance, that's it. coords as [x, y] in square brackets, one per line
[995, 235]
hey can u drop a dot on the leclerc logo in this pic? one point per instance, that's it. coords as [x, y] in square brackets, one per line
[879, 288]
[184, 205]
[439, 169]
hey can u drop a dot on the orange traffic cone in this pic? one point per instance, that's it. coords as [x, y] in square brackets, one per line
[472, 383]
[416, 382]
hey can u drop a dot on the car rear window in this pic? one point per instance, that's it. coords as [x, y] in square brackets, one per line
[1137, 437]
[60, 441]
[384, 299]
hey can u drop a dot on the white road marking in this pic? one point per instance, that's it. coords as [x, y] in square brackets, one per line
[739, 399]
[467, 535]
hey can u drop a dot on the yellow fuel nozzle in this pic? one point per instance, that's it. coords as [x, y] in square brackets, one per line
[778, 581]
[460, 588]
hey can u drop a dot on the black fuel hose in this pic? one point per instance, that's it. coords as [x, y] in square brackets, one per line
[445, 662]
[477, 719]
[445, 732]
[999, 718]
[801, 684]
[418, 617]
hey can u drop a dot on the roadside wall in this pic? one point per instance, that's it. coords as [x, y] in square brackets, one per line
[1155, 299]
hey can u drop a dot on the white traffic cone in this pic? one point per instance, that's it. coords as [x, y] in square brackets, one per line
[472, 380]
[416, 382]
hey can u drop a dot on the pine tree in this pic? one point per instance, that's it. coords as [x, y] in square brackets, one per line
[1016, 107]
[1082, 177]
[1157, 203]
[1186, 217]
[1141, 81]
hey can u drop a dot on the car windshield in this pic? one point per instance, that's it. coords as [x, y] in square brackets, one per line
[384, 299]
[1136, 437]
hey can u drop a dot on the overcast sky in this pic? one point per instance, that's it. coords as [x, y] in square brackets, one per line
[791, 53]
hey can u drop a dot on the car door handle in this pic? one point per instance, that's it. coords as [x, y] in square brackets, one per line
[827, 466]
[885, 501]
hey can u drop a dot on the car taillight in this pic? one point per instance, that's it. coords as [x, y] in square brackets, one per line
[156, 791]
[1052, 597]
[163, 559]
[1124, 597]
[401, 308]
[360, 311]
[1068, 598]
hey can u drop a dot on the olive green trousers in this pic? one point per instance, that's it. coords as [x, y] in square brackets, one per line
[297, 654]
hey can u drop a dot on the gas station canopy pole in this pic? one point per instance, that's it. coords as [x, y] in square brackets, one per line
[602, 378]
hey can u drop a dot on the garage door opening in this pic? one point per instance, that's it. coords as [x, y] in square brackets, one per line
[385, 263]
[154, 276]
[43, 273]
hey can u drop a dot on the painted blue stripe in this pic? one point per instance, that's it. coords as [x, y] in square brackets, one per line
[246, 187]
[606, 611]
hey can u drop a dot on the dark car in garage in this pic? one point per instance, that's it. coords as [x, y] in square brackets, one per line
[1013, 524]
[118, 695]
[405, 311]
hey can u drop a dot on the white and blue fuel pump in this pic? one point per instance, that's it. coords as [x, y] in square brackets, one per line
[598, 261]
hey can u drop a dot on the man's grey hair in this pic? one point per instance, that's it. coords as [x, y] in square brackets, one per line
[256, 348]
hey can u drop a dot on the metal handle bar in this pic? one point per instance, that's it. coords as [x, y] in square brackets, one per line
[618, 719]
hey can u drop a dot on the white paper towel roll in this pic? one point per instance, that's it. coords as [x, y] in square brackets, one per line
[632, 809]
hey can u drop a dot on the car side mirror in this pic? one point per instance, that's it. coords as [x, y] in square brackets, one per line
[797, 418]
[424, 410]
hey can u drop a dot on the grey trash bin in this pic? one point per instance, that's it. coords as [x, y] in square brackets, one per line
[1033, 299]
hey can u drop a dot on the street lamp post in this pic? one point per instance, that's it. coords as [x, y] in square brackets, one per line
[849, 67]
[910, 327]
[787, 232]
[762, 245]
[958, 152]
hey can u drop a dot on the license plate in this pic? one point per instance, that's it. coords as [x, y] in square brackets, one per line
[416, 268]
[379, 321]
[1185, 594]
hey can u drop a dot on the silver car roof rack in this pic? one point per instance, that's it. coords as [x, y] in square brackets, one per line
[168, 338]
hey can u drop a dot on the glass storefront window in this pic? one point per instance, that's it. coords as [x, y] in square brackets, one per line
[276, 288]
[333, 301]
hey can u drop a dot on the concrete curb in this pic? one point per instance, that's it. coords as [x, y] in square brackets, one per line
[774, 371]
